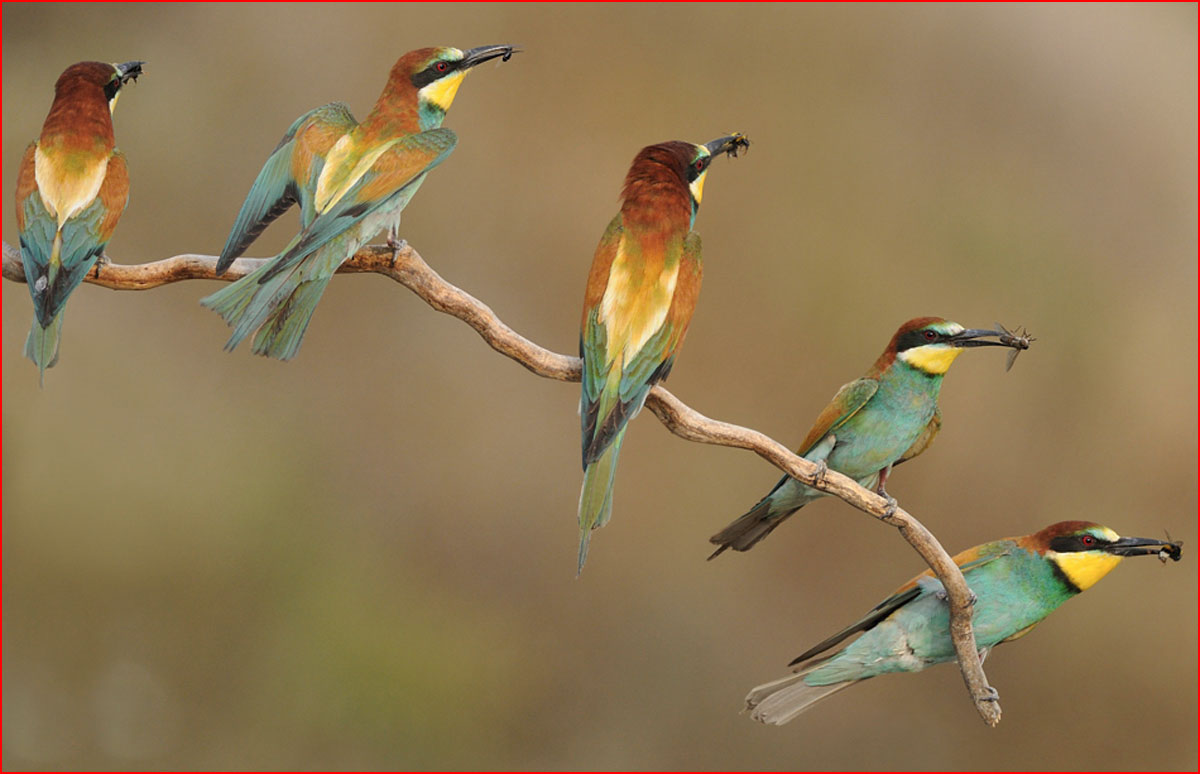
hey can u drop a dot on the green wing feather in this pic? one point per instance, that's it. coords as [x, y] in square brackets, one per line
[37, 245]
[848, 401]
[907, 593]
[612, 398]
[390, 182]
[276, 189]
[81, 246]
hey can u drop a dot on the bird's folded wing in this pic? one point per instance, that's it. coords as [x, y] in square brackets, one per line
[404, 163]
[845, 404]
[289, 172]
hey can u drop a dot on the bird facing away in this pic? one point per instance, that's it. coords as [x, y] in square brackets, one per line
[641, 293]
[1017, 582]
[351, 180]
[887, 417]
[72, 187]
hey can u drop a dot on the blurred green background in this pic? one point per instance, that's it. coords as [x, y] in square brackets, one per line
[365, 557]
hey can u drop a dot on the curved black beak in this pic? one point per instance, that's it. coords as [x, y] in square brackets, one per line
[975, 337]
[1136, 546]
[730, 144]
[129, 71]
[483, 54]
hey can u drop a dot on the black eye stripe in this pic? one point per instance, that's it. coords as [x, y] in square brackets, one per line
[432, 73]
[917, 338]
[1075, 543]
[697, 167]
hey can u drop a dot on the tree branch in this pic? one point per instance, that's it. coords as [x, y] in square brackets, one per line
[411, 271]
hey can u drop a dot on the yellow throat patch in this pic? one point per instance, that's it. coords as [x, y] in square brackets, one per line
[697, 186]
[442, 91]
[931, 358]
[1084, 568]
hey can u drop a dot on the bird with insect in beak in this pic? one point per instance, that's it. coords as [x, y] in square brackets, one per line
[350, 180]
[72, 187]
[874, 423]
[1017, 582]
[641, 292]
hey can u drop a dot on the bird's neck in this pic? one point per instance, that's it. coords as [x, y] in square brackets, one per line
[901, 375]
[79, 121]
[657, 207]
[400, 110]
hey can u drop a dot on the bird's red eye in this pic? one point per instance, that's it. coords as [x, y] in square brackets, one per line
[930, 335]
[1088, 540]
[699, 164]
[441, 67]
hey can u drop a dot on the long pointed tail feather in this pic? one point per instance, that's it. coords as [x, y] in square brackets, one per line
[595, 498]
[41, 345]
[279, 309]
[779, 701]
[234, 304]
[745, 531]
[283, 330]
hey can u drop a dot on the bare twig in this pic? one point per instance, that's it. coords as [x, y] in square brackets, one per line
[411, 271]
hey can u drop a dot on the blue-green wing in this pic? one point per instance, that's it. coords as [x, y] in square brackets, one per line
[388, 184]
[923, 583]
[84, 237]
[606, 408]
[301, 151]
[37, 243]
[845, 404]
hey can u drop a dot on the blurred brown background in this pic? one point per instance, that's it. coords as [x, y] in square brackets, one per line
[365, 557]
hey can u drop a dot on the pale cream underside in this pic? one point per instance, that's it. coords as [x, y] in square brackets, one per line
[624, 310]
[328, 192]
[65, 192]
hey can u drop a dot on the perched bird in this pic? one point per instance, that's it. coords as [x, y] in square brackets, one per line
[887, 417]
[71, 190]
[351, 180]
[1017, 581]
[641, 293]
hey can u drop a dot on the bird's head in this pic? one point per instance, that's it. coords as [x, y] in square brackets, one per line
[677, 162]
[436, 73]
[1083, 552]
[930, 344]
[98, 76]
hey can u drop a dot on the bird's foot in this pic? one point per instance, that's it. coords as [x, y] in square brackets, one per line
[103, 260]
[396, 246]
[889, 510]
[819, 475]
[941, 595]
[991, 695]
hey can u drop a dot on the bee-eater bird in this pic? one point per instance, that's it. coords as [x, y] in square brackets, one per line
[887, 417]
[72, 187]
[1017, 582]
[641, 293]
[351, 180]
